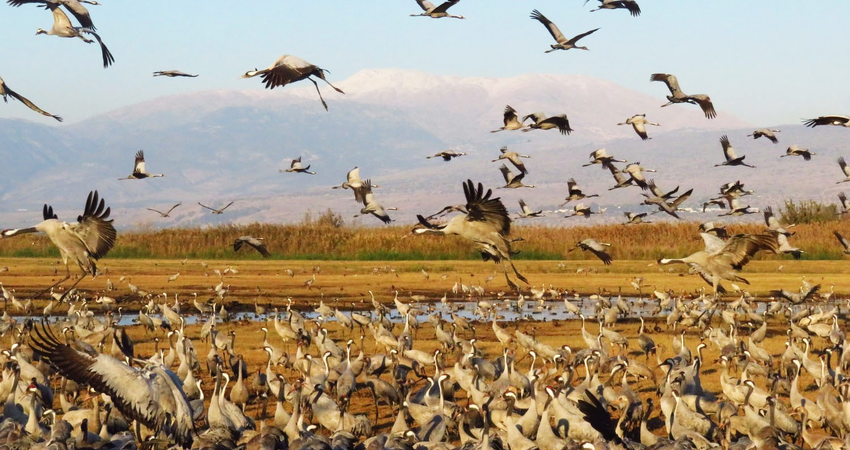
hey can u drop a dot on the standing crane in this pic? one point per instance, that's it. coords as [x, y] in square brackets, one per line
[289, 69]
[729, 152]
[296, 167]
[510, 120]
[139, 169]
[62, 27]
[484, 221]
[562, 42]
[638, 123]
[6, 91]
[677, 96]
[83, 242]
[436, 12]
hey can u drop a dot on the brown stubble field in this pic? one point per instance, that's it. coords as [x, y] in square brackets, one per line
[347, 284]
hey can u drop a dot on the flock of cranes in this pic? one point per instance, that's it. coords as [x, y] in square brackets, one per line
[453, 388]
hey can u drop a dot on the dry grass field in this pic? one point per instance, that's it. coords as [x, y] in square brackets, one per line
[346, 284]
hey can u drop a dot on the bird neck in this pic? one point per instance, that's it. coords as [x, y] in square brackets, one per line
[10, 233]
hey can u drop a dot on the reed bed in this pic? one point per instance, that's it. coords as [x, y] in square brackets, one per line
[394, 243]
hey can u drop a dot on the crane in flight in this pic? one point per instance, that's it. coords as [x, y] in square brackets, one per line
[84, 242]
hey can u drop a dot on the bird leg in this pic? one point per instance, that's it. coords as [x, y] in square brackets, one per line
[68, 291]
[320, 93]
[67, 276]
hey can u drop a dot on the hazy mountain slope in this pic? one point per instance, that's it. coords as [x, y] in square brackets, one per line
[219, 146]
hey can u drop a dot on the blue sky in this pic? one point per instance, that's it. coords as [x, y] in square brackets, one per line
[767, 62]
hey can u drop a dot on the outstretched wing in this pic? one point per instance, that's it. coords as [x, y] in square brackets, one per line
[598, 417]
[480, 207]
[139, 165]
[4, 88]
[445, 6]
[668, 79]
[576, 38]
[842, 240]
[510, 115]
[553, 29]
[741, 247]
[94, 229]
[131, 390]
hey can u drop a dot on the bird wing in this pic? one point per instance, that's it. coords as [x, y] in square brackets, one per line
[704, 102]
[668, 79]
[602, 255]
[680, 199]
[156, 211]
[237, 244]
[842, 240]
[287, 69]
[444, 6]
[640, 129]
[131, 390]
[259, 246]
[576, 38]
[632, 6]
[741, 247]
[598, 417]
[728, 151]
[507, 174]
[80, 12]
[205, 206]
[523, 206]
[655, 189]
[561, 122]
[553, 29]
[139, 166]
[769, 219]
[60, 19]
[226, 206]
[516, 161]
[108, 59]
[47, 213]
[843, 165]
[572, 186]
[5, 89]
[510, 115]
[172, 208]
[93, 228]
[843, 198]
[296, 163]
[480, 207]
[826, 120]
[425, 5]
[536, 117]
[353, 175]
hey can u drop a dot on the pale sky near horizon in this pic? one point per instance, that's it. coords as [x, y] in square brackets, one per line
[766, 62]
